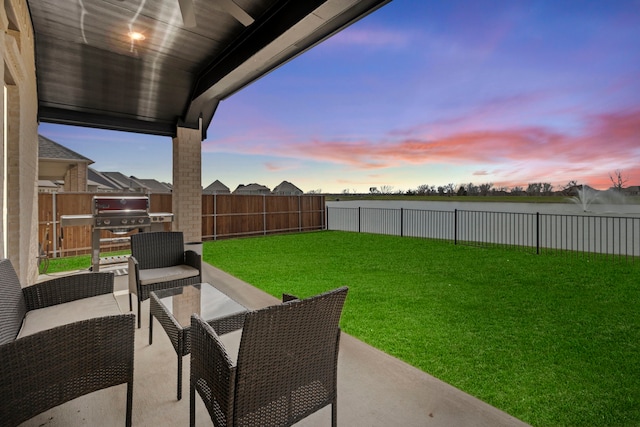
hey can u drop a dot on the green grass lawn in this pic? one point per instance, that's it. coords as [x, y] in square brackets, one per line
[552, 340]
[79, 262]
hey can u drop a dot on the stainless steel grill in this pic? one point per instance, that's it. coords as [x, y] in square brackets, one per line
[119, 215]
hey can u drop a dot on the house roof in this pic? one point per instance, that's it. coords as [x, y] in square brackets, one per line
[99, 179]
[54, 160]
[252, 187]
[125, 182]
[286, 187]
[186, 57]
[49, 149]
[154, 185]
[216, 186]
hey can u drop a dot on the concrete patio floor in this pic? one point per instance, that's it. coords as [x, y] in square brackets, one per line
[374, 389]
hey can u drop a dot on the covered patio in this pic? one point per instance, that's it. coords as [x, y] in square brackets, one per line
[374, 389]
[162, 67]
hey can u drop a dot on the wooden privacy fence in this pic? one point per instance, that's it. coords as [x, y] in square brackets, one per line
[223, 216]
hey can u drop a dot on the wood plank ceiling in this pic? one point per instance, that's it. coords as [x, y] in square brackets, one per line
[189, 55]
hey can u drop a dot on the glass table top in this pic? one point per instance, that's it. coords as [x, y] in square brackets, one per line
[203, 299]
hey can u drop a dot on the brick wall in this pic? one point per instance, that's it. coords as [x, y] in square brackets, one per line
[187, 178]
[20, 168]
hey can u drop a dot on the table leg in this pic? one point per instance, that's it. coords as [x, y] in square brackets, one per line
[150, 328]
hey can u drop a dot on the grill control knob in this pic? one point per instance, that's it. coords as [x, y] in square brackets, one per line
[124, 220]
[107, 221]
[140, 220]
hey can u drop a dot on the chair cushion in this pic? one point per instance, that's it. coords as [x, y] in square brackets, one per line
[167, 274]
[63, 314]
[231, 343]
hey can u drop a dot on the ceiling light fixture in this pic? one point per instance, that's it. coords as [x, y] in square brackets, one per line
[136, 36]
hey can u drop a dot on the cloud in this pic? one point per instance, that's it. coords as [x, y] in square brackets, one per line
[272, 167]
[509, 156]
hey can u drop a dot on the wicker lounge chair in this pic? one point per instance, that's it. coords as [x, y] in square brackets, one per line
[59, 340]
[286, 366]
[158, 261]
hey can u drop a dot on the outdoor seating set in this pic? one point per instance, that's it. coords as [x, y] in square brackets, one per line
[66, 337]
[59, 340]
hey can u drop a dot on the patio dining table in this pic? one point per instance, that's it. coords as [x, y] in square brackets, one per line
[173, 309]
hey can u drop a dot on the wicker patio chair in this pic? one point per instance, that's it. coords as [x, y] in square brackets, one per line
[286, 367]
[41, 369]
[158, 261]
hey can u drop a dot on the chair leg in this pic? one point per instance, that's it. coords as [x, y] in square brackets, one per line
[139, 316]
[150, 327]
[130, 304]
[192, 405]
[334, 413]
[179, 376]
[129, 402]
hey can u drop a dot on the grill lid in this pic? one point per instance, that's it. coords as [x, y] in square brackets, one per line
[118, 205]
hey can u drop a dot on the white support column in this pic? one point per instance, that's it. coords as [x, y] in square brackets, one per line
[187, 183]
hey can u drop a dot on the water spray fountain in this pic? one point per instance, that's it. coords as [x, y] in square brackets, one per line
[587, 197]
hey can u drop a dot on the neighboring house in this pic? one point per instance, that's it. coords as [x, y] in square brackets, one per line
[216, 187]
[252, 189]
[285, 188]
[62, 169]
[46, 186]
[154, 186]
[126, 183]
[99, 183]
[58, 163]
[632, 190]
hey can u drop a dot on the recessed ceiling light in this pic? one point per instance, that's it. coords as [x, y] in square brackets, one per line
[134, 35]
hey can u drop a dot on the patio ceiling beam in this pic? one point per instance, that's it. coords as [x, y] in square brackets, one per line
[126, 124]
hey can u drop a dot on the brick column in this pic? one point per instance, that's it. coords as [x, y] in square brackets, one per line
[187, 183]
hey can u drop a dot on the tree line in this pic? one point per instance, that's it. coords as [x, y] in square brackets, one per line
[618, 181]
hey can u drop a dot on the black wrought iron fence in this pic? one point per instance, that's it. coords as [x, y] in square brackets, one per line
[589, 235]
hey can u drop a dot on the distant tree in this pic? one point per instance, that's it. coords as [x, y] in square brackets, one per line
[410, 192]
[345, 191]
[386, 189]
[502, 189]
[534, 188]
[618, 180]
[547, 188]
[316, 191]
[373, 190]
[472, 189]
[461, 191]
[425, 189]
[517, 189]
[450, 189]
[441, 190]
[484, 189]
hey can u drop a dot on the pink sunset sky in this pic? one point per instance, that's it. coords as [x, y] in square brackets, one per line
[500, 92]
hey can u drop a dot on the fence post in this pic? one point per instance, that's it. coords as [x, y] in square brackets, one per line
[215, 216]
[455, 226]
[401, 222]
[359, 219]
[326, 217]
[264, 215]
[299, 213]
[55, 224]
[537, 233]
